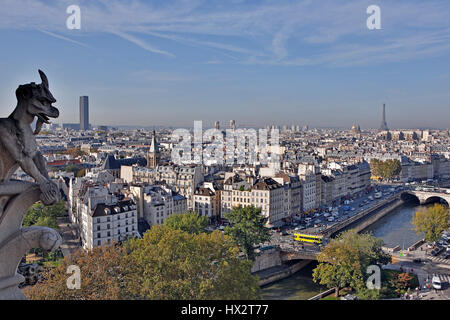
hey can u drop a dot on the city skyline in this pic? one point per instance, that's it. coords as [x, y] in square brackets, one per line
[290, 62]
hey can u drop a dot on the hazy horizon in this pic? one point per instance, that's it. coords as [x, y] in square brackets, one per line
[148, 63]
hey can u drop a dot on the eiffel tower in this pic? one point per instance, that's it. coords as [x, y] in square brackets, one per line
[384, 126]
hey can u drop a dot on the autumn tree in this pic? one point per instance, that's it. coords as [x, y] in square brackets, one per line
[385, 169]
[81, 173]
[344, 260]
[190, 222]
[165, 264]
[101, 277]
[247, 228]
[401, 282]
[172, 264]
[75, 152]
[431, 221]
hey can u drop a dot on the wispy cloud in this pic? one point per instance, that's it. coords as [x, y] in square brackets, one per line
[142, 43]
[63, 38]
[283, 32]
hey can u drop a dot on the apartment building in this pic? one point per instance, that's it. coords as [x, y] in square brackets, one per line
[183, 179]
[156, 203]
[266, 194]
[105, 218]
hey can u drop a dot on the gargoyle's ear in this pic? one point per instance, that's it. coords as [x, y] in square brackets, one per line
[24, 92]
[43, 78]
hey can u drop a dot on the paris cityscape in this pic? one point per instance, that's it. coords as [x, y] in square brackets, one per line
[188, 158]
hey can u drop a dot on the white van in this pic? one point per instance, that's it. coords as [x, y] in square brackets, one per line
[436, 282]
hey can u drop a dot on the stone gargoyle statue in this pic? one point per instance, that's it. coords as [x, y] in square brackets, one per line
[18, 148]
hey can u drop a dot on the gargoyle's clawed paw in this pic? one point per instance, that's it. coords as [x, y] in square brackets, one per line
[50, 193]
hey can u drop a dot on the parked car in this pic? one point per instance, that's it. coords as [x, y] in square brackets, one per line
[436, 282]
[437, 251]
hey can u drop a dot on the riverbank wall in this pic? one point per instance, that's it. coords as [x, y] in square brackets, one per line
[323, 294]
[266, 260]
[367, 222]
[274, 274]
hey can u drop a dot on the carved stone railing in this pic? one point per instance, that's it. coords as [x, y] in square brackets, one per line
[16, 240]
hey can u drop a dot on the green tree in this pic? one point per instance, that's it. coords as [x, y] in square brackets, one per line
[189, 222]
[369, 294]
[41, 215]
[72, 168]
[344, 260]
[432, 221]
[173, 264]
[46, 221]
[247, 228]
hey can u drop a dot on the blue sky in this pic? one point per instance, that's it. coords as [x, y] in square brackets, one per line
[260, 62]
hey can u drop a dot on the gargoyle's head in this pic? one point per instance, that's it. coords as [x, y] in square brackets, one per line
[38, 100]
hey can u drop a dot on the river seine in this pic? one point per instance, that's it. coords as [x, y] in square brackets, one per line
[395, 229]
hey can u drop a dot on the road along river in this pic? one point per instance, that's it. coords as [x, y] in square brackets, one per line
[395, 229]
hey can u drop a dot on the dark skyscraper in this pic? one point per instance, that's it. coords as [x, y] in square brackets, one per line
[384, 126]
[84, 113]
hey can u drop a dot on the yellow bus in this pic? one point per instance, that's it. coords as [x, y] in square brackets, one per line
[308, 238]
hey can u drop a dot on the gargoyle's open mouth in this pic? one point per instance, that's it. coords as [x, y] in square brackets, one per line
[43, 118]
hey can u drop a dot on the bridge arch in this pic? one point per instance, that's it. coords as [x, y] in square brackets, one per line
[410, 197]
[434, 199]
[426, 197]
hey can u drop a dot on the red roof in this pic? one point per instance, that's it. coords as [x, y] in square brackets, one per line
[63, 162]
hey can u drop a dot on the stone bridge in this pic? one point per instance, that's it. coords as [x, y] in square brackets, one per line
[288, 254]
[428, 196]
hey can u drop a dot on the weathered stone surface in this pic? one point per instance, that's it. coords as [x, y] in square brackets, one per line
[18, 148]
